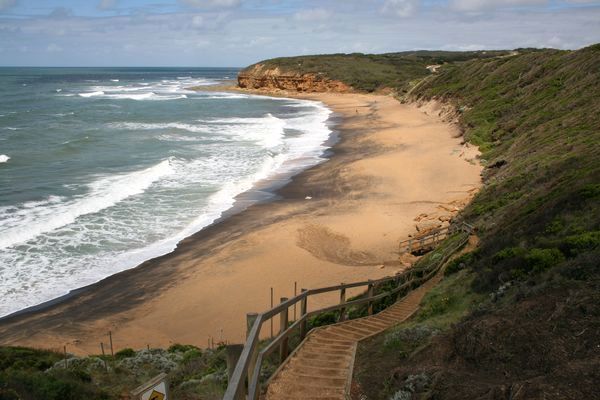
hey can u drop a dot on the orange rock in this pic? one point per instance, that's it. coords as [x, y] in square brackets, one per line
[261, 77]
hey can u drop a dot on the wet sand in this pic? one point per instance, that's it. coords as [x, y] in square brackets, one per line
[394, 168]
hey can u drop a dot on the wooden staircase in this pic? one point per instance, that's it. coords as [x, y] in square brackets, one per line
[321, 367]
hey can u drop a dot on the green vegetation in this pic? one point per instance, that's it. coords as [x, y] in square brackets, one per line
[369, 72]
[446, 304]
[536, 117]
[28, 374]
[40, 374]
[504, 313]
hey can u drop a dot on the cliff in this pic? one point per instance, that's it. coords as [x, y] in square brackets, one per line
[351, 72]
[259, 76]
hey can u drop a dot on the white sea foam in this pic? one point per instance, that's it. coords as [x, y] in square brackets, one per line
[28, 222]
[103, 225]
[114, 80]
[139, 126]
[4, 158]
[92, 94]
[268, 131]
[229, 96]
[124, 94]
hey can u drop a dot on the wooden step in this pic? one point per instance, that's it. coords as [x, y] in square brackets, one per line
[312, 368]
[295, 388]
[323, 356]
[331, 364]
[361, 332]
[320, 369]
[293, 376]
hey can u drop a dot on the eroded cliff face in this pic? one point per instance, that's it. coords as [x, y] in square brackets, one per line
[261, 77]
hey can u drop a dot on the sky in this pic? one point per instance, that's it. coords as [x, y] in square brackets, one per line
[236, 33]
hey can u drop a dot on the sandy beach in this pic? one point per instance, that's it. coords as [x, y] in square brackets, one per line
[395, 168]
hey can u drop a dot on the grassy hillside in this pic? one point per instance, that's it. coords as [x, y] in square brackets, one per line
[536, 118]
[520, 314]
[369, 72]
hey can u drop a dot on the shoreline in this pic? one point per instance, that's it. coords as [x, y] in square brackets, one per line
[224, 258]
[263, 191]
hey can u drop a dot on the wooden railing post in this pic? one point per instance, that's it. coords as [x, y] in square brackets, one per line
[250, 319]
[369, 295]
[283, 324]
[410, 245]
[342, 301]
[233, 355]
[397, 282]
[303, 304]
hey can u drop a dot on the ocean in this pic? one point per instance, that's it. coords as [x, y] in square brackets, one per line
[104, 168]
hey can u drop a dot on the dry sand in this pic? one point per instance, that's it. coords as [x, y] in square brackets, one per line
[394, 167]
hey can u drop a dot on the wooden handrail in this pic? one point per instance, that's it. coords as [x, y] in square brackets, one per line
[434, 236]
[245, 366]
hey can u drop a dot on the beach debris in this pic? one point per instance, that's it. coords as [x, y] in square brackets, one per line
[308, 198]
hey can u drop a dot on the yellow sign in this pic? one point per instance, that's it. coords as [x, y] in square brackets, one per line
[156, 396]
[156, 388]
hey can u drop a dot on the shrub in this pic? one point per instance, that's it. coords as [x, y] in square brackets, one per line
[539, 260]
[459, 263]
[586, 241]
[125, 353]
[181, 348]
[324, 319]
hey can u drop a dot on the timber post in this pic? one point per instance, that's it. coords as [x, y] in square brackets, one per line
[369, 295]
[283, 324]
[250, 319]
[303, 304]
[234, 351]
[342, 301]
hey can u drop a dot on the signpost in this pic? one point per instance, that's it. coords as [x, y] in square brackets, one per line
[155, 389]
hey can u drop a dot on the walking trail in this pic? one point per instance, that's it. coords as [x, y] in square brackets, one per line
[321, 367]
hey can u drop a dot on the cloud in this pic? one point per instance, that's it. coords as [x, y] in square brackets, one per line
[211, 3]
[107, 4]
[400, 8]
[61, 12]
[314, 14]
[197, 21]
[482, 5]
[270, 28]
[53, 48]
[6, 4]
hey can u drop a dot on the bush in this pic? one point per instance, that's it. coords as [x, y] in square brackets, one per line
[324, 319]
[539, 260]
[583, 242]
[459, 263]
[181, 348]
[125, 353]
